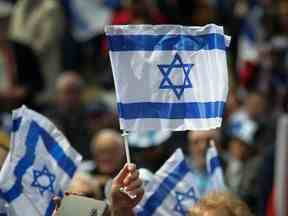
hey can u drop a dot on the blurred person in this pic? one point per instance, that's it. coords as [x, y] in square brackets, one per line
[220, 204]
[82, 43]
[243, 162]
[120, 203]
[20, 78]
[100, 116]
[38, 25]
[108, 153]
[253, 110]
[204, 13]
[69, 112]
[198, 143]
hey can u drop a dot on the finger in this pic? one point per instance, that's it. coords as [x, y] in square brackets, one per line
[74, 193]
[134, 185]
[124, 172]
[139, 192]
[132, 176]
[57, 201]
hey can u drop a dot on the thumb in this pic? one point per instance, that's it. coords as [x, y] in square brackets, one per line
[128, 168]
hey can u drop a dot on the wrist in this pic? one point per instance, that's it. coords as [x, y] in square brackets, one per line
[121, 211]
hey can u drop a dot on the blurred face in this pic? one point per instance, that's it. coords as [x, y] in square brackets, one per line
[69, 96]
[198, 143]
[108, 153]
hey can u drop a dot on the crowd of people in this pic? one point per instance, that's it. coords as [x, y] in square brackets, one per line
[54, 58]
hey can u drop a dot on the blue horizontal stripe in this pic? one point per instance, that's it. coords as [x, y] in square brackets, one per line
[167, 185]
[192, 110]
[166, 42]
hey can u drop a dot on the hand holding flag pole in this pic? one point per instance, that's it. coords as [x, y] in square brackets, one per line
[128, 157]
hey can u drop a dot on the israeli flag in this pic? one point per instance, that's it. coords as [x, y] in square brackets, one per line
[214, 170]
[169, 77]
[41, 164]
[172, 191]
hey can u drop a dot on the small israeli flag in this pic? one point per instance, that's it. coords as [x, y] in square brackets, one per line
[41, 164]
[169, 77]
[172, 190]
[214, 169]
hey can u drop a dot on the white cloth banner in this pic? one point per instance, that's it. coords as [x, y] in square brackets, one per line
[40, 164]
[169, 77]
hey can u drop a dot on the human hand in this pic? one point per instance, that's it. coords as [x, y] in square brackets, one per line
[128, 178]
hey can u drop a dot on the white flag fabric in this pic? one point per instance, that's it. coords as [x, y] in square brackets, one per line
[169, 77]
[214, 170]
[40, 164]
[171, 191]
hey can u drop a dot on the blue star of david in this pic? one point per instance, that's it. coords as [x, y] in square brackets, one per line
[167, 69]
[181, 197]
[44, 175]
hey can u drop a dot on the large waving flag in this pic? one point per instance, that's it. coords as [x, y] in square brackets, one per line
[40, 164]
[172, 190]
[169, 77]
[214, 169]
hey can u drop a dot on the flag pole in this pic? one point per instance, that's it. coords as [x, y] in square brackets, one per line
[128, 157]
[212, 143]
[125, 136]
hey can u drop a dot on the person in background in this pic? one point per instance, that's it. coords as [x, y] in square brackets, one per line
[20, 77]
[108, 153]
[220, 204]
[253, 109]
[198, 142]
[69, 112]
[38, 25]
[243, 162]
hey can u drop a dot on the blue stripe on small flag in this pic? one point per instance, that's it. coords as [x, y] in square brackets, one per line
[194, 110]
[164, 189]
[57, 153]
[214, 163]
[16, 124]
[166, 42]
[34, 133]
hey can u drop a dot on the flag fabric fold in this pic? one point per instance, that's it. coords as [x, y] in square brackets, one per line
[171, 191]
[214, 169]
[41, 164]
[169, 77]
